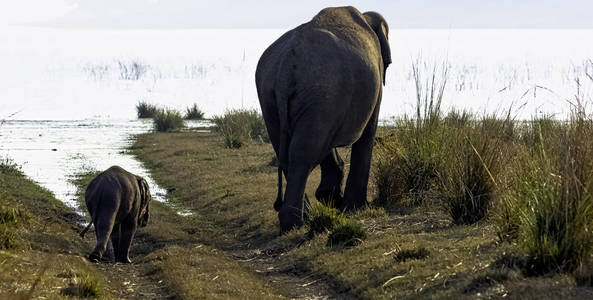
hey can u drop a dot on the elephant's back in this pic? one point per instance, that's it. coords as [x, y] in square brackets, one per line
[110, 185]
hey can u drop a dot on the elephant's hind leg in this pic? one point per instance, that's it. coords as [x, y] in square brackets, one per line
[291, 214]
[332, 175]
[355, 194]
[115, 239]
[128, 229]
[103, 229]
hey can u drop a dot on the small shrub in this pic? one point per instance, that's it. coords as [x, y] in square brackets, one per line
[11, 215]
[88, 286]
[349, 233]
[194, 113]
[83, 285]
[323, 218]
[409, 254]
[238, 127]
[167, 120]
[146, 110]
[8, 238]
[9, 167]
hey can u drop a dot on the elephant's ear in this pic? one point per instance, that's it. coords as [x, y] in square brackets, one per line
[381, 29]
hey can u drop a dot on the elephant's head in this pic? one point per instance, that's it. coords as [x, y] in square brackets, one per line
[145, 198]
[379, 25]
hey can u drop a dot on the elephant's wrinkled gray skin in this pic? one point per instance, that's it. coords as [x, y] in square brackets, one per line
[319, 87]
[118, 202]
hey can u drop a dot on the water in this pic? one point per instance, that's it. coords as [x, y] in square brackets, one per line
[51, 74]
[51, 152]
[87, 83]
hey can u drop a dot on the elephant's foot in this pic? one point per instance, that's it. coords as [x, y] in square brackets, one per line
[331, 196]
[290, 219]
[125, 260]
[278, 203]
[349, 204]
[95, 257]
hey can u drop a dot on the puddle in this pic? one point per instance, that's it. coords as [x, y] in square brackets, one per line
[51, 152]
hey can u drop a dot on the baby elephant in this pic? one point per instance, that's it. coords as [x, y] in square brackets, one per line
[118, 203]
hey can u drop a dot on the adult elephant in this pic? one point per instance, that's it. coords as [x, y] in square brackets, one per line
[118, 202]
[319, 87]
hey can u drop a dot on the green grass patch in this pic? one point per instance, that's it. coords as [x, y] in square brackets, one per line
[348, 233]
[13, 215]
[322, 218]
[239, 127]
[9, 239]
[409, 254]
[167, 120]
[83, 285]
[9, 167]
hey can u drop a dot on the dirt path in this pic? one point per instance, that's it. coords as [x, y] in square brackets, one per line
[139, 280]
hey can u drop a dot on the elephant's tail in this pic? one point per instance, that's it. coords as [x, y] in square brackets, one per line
[278, 203]
[93, 218]
[285, 91]
[83, 232]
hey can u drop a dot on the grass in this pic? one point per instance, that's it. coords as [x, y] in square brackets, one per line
[408, 254]
[83, 285]
[348, 233]
[167, 120]
[194, 113]
[323, 219]
[239, 127]
[146, 110]
[13, 215]
[451, 160]
[549, 208]
[343, 231]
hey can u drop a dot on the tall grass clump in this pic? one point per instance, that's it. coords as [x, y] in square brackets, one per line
[408, 161]
[146, 110]
[469, 178]
[194, 113]
[238, 127]
[166, 120]
[448, 159]
[552, 197]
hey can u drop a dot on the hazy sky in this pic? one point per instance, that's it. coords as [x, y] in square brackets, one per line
[288, 13]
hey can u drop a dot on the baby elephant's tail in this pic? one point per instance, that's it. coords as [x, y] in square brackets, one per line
[93, 220]
[83, 232]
